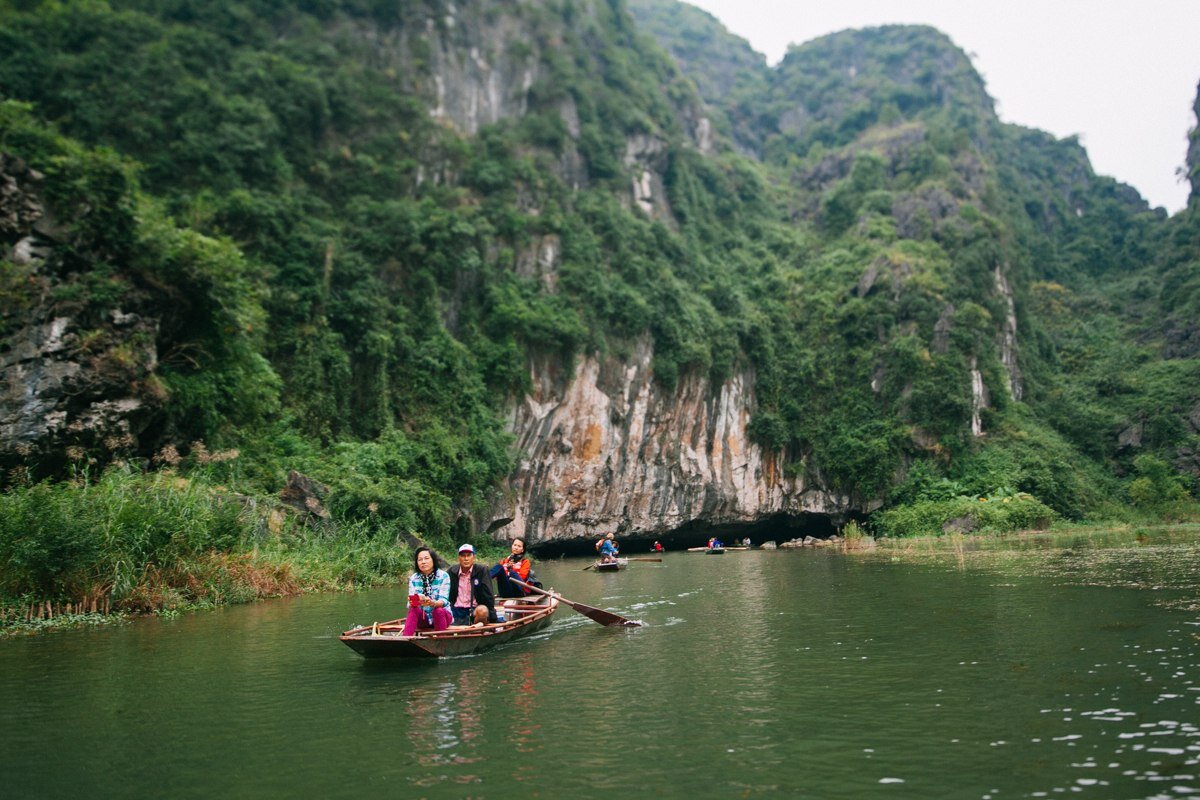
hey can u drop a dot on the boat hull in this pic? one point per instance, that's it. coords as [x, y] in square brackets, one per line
[384, 640]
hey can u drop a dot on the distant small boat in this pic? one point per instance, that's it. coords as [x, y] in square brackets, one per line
[383, 639]
[712, 551]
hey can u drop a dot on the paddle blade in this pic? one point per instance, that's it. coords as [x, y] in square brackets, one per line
[606, 618]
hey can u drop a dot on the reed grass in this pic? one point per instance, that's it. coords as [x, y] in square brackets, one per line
[160, 542]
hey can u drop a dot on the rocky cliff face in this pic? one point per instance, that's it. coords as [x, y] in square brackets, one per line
[724, 68]
[68, 383]
[478, 64]
[607, 449]
[473, 64]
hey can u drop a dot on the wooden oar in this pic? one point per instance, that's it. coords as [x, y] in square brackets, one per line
[589, 566]
[606, 618]
[638, 558]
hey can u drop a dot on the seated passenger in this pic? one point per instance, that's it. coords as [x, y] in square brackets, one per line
[515, 565]
[428, 595]
[471, 598]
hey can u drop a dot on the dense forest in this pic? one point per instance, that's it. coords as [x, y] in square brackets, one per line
[268, 249]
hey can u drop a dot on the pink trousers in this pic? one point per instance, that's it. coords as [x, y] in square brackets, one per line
[416, 620]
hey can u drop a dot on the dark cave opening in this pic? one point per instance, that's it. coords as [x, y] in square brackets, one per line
[778, 528]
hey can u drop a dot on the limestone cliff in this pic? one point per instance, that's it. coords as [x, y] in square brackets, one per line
[481, 63]
[607, 449]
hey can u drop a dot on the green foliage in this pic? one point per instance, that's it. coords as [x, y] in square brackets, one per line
[91, 188]
[414, 480]
[211, 337]
[162, 542]
[727, 73]
[540, 321]
[840, 95]
[999, 513]
[1156, 484]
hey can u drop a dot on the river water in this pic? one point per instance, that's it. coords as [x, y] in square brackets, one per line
[1020, 669]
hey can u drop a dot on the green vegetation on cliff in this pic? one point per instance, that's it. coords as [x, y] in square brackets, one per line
[937, 307]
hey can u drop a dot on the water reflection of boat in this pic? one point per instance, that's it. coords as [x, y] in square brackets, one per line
[383, 639]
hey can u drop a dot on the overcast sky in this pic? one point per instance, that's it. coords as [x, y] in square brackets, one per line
[1121, 74]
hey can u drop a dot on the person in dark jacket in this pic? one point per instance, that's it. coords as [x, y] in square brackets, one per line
[471, 598]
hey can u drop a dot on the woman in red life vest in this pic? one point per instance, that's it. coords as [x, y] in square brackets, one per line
[515, 565]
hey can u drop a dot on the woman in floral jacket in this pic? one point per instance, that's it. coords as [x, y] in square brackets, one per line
[428, 595]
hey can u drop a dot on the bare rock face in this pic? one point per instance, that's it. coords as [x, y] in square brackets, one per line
[20, 210]
[479, 74]
[477, 64]
[608, 449]
[60, 389]
[1008, 336]
[646, 159]
[305, 494]
[67, 384]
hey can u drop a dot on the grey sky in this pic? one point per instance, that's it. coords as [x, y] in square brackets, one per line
[1121, 74]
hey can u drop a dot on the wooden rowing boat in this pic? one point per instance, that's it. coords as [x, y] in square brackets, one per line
[383, 639]
[712, 551]
[610, 566]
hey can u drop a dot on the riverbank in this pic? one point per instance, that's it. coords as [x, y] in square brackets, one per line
[1062, 536]
[125, 544]
[345, 563]
[209, 580]
[97, 551]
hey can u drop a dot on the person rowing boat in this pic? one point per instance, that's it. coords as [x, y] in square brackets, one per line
[608, 549]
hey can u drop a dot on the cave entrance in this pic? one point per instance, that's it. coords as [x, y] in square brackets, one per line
[777, 528]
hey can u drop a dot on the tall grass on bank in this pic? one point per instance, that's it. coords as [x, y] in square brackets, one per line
[134, 542]
[997, 513]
